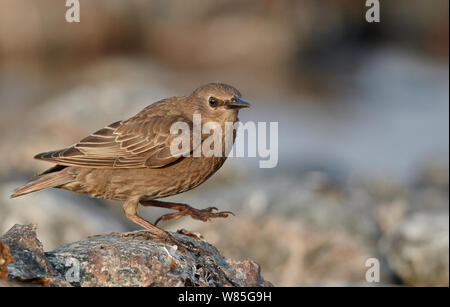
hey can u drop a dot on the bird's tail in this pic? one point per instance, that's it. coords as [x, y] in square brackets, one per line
[43, 182]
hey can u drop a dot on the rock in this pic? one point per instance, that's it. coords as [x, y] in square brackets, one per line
[419, 251]
[5, 259]
[126, 259]
[8, 283]
[30, 263]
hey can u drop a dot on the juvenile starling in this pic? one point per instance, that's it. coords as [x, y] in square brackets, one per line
[131, 160]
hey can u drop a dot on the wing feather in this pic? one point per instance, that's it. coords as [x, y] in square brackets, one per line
[142, 141]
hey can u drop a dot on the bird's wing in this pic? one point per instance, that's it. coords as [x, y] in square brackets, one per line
[141, 141]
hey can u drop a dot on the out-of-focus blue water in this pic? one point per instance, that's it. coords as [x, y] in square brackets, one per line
[392, 117]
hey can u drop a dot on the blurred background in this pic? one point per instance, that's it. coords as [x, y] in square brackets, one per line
[363, 112]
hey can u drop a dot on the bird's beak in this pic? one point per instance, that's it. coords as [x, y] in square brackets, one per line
[238, 103]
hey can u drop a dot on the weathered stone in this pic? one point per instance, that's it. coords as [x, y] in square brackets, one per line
[30, 263]
[132, 259]
[127, 259]
[419, 251]
[5, 259]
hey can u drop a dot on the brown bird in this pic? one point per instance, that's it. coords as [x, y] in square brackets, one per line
[131, 160]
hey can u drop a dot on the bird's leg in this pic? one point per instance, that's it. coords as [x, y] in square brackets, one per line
[130, 208]
[185, 210]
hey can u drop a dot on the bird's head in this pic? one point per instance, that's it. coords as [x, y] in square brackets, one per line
[218, 101]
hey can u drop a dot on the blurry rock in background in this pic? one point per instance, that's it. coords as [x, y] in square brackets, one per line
[419, 251]
[363, 111]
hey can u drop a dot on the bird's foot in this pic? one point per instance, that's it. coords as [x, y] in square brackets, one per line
[197, 214]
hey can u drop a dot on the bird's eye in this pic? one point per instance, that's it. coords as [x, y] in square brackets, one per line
[212, 101]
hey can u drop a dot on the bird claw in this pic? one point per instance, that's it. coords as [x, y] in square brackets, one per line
[210, 209]
[197, 214]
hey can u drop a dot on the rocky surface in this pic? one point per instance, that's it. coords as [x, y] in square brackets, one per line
[418, 251]
[5, 259]
[27, 261]
[126, 259]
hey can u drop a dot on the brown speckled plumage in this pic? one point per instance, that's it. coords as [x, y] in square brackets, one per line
[131, 161]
